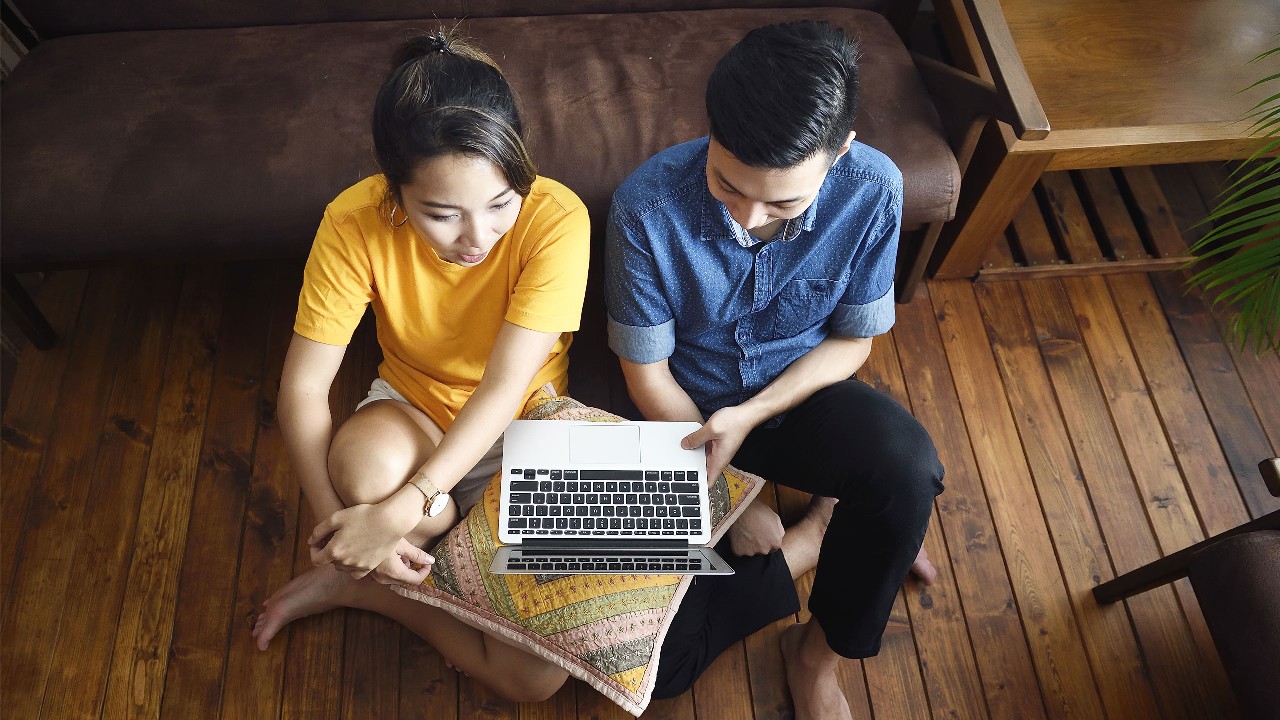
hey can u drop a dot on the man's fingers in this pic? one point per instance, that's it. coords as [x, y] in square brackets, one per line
[696, 439]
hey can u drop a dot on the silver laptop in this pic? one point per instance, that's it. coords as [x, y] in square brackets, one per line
[604, 498]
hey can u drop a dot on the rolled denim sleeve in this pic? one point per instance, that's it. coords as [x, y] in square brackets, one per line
[864, 321]
[641, 324]
[642, 345]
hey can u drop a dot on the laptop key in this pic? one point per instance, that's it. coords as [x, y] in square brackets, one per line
[523, 485]
[688, 499]
[543, 471]
[518, 523]
[555, 474]
[555, 511]
[566, 499]
[528, 510]
[571, 487]
[570, 474]
[545, 486]
[558, 486]
[685, 487]
[597, 487]
[665, 487]
[593, 499]
[611, 487]
[540, 510]
[670, 499]
[652, 487]
[562, 523]
[689, 511]
[521, 497]
[514, 511]
[575, 524]
[529, 474]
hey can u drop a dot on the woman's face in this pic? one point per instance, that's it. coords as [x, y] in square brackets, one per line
[461, 206]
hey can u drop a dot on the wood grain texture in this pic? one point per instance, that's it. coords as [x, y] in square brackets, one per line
[1068, 218]
[254, 679]
[1003, 661]
[1120, 510]
[139, 660]
[1052, 631]
[77, 681]
[1034, 243]
[28, 418]
[1118, 231]
[206, 590]
[1125, 688]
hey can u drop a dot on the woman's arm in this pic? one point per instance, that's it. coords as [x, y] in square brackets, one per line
[364, 537]
[305, 420]
[516, 357]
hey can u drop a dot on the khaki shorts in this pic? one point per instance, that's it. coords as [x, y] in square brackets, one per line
[469, 489]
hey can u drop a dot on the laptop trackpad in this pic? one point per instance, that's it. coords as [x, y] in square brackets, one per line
[604, 444]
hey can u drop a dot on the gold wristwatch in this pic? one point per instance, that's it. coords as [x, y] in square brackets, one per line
[435, 499]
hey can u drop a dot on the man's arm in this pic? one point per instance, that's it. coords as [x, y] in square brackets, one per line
[829, 362]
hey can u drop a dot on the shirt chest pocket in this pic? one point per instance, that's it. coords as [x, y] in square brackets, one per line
[803, 304]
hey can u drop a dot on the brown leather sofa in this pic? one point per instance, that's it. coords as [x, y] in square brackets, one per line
[191, 131]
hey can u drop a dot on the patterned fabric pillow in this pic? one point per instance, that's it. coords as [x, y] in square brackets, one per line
[606, 630]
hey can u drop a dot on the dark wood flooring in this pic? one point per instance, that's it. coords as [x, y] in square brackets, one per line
[1089, 424]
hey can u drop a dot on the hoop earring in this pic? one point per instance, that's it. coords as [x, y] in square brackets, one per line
[395, 224]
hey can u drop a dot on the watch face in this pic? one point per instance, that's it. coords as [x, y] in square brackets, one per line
[438, 505]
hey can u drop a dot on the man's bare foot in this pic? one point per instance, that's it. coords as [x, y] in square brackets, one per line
[815, 692]
[315, 591]
[758, 531]
[802, 541]
[924, 569]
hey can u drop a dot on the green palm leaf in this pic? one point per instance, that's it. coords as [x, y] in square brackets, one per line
[1239, 258]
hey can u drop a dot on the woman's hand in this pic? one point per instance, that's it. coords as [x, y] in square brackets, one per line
[364, 538]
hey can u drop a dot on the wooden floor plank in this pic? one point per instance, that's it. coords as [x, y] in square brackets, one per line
[1192, 192]
[370, 672]
[428, 687]
[1154, 213]
[206, 589]
[1167, 641]
[1183, 416]
[1068, 218]
[1103, 195]
[139, 660]
[78, 679]
[984, 591]
[28, 416]
[58, 502]
[1032, 233]
[594, 706]
[477, 701]
[1113, 651]
[722, 691]
[1053, 635]
[254, 679]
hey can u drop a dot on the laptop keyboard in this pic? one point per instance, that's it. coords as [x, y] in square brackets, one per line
[562, 563]
[619, 503]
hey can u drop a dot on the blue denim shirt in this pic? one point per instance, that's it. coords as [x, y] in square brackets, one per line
[685, 282]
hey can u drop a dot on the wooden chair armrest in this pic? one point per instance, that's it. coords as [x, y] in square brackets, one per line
[1270, 470]
[998, 80]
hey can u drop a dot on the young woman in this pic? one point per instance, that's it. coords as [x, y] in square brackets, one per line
[476, 269]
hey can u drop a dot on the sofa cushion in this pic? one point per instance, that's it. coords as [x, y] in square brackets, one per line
[207, 144]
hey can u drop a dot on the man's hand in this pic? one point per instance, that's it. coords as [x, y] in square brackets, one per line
[723, 434]
[362, 538]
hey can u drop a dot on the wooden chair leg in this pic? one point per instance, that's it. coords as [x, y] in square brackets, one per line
[24, 311]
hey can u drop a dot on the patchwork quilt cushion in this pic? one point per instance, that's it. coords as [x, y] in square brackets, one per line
[606, 630]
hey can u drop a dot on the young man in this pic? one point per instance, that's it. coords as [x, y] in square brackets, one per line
[747, 275]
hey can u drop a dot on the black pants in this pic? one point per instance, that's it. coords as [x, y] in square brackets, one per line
[846, 441]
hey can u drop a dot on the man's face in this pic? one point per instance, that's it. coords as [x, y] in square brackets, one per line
[757, 197]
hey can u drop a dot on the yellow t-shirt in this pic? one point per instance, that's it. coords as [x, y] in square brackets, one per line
[438, 321]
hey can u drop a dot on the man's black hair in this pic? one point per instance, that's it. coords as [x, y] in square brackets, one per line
[785, 93]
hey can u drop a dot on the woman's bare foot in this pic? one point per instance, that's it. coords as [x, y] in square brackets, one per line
[315, 591]
[924, 569]
[815, 692]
